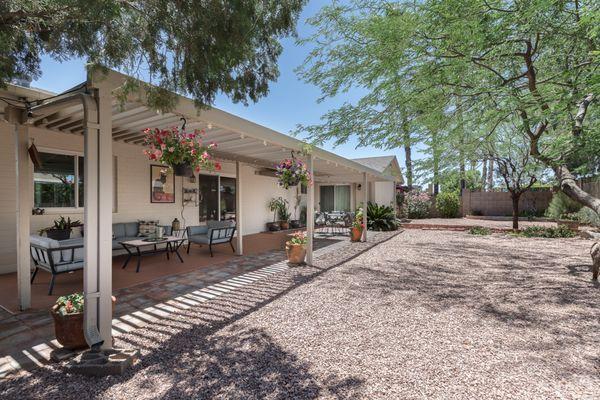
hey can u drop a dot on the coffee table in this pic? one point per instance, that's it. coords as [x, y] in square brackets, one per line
[145, 246]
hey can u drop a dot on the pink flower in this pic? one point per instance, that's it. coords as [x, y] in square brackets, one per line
[171, 149]
[163, 146]
[158, 153]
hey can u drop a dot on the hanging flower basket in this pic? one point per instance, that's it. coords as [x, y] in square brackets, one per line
[184, 152]
[292, 172]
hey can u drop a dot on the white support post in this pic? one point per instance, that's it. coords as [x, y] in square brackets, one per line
[365, 186]
[105, 207]
[24, 206]
[239, 248]
[310, 212]
[91, 286]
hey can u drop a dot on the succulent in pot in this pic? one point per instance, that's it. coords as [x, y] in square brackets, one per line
[61, 230]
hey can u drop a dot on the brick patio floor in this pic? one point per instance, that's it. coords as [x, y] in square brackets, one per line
[27, 338]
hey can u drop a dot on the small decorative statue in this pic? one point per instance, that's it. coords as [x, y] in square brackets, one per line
[595, 252]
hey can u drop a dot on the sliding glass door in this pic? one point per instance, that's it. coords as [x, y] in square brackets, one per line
[335, 198]
[216, 198]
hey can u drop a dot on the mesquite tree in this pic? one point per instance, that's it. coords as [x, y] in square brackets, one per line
[474, 63]
[517, 168]
[195, 47]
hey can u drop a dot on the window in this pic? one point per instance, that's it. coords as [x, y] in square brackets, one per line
[227, 200]
[59, 181]
[335, 198]
[216, 198]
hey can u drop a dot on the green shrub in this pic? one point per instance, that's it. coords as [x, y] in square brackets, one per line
[480, 230]
[448, 204]
[561, 205]
[551, 232]
[588, 216]
[417, 205]
[381, 218]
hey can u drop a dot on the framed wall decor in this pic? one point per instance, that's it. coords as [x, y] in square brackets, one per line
[162, 184]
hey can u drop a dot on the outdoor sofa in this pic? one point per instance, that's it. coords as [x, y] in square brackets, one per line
[63, 256]
[214, 232]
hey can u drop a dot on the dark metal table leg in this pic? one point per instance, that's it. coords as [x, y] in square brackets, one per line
[129, 255]
[176, 250]
[139, 259]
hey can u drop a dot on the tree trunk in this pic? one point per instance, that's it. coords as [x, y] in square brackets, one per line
[569, 186]
[436, 162]
[408, 154]
[484, 175]
[515, 212]
[490, 177]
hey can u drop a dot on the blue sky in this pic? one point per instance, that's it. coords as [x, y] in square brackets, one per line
[290, 101]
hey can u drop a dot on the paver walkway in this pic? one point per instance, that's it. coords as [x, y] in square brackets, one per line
[27, 339]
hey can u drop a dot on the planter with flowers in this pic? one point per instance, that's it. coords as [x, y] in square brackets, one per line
[67, 313]
[295, 248]
[292, 172]
[357, 226]
[183, 151]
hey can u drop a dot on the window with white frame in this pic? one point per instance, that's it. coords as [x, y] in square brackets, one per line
[58, 182]
[335, 198]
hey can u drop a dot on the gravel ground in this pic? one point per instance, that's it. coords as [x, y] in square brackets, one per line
[425, 315]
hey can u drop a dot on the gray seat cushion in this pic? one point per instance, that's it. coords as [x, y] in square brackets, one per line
[118, 230]
[131, 229]
[62, 259]
[196, 230]
[202, 239]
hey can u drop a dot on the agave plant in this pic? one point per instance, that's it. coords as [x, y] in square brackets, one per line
[381, 218]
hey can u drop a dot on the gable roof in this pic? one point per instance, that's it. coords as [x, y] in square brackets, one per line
[377, 163]
[386, 165]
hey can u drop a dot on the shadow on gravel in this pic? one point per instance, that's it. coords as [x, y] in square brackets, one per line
[200, 353]
[532, 294]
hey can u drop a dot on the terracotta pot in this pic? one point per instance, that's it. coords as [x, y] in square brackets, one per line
[284, 225]
[296, 253]
[68, 329]
[355, 234]
[183, 170]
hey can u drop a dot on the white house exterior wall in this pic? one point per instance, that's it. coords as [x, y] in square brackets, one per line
[133, 190]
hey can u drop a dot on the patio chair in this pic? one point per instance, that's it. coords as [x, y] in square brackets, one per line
[214, 232]
[56, 257]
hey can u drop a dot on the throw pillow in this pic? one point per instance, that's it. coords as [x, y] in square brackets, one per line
[147, 228]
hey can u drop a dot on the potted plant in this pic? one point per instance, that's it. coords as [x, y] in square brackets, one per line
[61, 230]
[295, 223]
[273, 206]
[284, 214]
[295, 248]
[184, 152]
[67, 314]
[357, 226]
[291, 172]
[68, 321]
